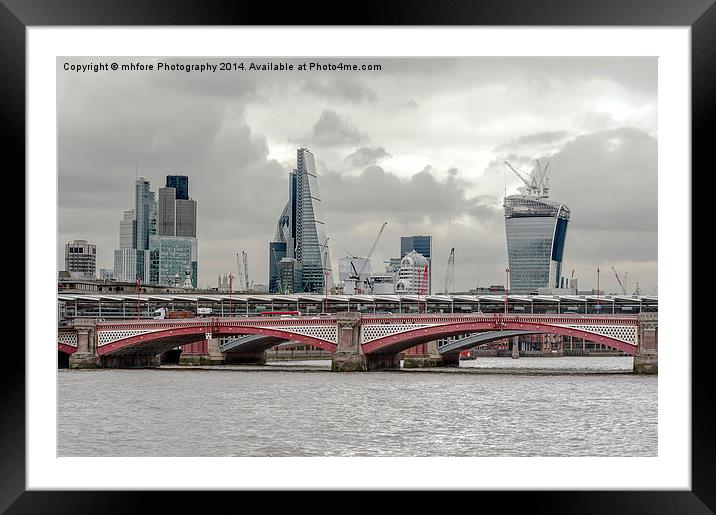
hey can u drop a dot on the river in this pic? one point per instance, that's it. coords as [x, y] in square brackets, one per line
[569, 406]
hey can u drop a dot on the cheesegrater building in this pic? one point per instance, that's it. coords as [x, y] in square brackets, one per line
[536, 229]
[299, 257]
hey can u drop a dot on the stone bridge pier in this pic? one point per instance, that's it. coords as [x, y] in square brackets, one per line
[646, 359]
[86, 355]
[349, 356]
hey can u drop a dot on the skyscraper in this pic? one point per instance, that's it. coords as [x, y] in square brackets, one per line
[423, 245]
[132, 260]
[301, 227]
[179, 183]
[174, 247]
[128, 230]
[536, 230]
[142, 206]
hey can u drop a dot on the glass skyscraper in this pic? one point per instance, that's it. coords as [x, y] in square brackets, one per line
[536, 233]
[301, 227]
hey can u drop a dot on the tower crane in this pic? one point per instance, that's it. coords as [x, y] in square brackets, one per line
[238, 269]
[622, 284]
[248, 285]
[450, 272]
[357, 273]
[538, 185]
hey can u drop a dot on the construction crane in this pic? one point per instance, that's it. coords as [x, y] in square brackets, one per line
[450, 272]
[357, 273]
[538, 185]
[248, 285]
[238, 269]
[622, 283]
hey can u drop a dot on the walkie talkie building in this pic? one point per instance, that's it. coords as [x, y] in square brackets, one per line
[536, 230]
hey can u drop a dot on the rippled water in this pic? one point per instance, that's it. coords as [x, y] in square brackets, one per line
[300, 409]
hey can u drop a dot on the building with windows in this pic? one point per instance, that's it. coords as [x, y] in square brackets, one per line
[81, 259]
[301, 228]
[174, 246]
[423, 245]
[128, 230]
[181, 184]
[536, 230]
[414, 274]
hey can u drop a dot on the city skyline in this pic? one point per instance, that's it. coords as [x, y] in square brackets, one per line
[420, 144]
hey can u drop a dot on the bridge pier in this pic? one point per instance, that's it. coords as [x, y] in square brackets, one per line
[646, 360]
[86, 355]
[349, 355]
[515, 347]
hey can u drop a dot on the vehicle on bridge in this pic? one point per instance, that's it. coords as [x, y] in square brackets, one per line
[164, 313]
[280, 314]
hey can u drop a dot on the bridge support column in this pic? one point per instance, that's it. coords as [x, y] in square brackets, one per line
[349, 355]
[86, 355]
[646, 360]
[245, 358]
[425, 355]
[515, 347]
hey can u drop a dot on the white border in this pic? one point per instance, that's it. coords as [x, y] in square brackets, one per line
[671, 469]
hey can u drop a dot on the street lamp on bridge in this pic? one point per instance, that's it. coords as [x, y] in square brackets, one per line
[507, 290]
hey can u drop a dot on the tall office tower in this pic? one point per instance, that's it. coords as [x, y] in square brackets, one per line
[174, 247]
[130, 264]
[179, 183]
[301, 228]
[127, 230]
[536, 230]
[166, 213]
[143, 206]
[186, 217]
[423, 245]
[81, 259]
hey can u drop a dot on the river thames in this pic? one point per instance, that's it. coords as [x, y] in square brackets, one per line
[569, 406]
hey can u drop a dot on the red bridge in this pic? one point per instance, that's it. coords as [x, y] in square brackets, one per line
[358, 342]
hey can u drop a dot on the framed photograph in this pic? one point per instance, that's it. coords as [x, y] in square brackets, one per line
[420, 253]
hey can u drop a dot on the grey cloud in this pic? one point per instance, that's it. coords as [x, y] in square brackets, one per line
[333, 128]
[366, 156]
[609, 180]
[341, 89]
[421, 198]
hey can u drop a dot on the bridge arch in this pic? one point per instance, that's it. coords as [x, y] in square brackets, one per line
[66, 349]
[405, 340]
[156, 342]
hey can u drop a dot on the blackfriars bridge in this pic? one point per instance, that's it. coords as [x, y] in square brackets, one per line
[357, 342]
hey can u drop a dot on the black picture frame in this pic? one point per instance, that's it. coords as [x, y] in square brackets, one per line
[17, 15]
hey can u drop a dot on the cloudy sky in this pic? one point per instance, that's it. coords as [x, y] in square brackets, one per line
[419, 144]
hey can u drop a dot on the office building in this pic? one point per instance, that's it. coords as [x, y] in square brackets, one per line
[128, 230]
[536, 230]
[81, 259]
[423, 245]
[301, 227]
[181, 184]
[413, 275]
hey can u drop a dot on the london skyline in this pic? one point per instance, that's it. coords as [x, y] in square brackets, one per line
[420, 144]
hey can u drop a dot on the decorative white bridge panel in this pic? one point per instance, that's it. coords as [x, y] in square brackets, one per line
[627, 334]
[328, 333]
[111, 336]
[68, 338]
[375, 331]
